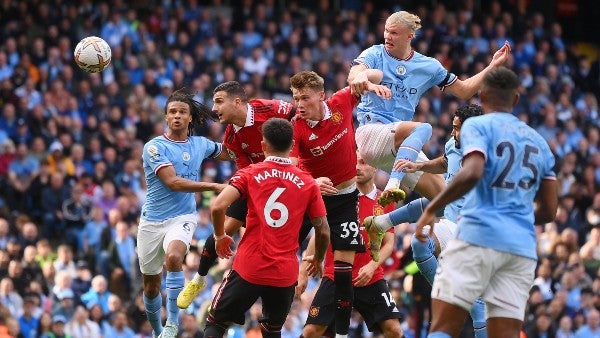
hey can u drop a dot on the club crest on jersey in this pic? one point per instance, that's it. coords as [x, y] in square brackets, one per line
[401, 70]
[314, 311]
[337, 117]
[378, 210]
[186, 156]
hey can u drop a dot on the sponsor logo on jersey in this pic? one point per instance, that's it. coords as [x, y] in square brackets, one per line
[244, 146]
[186, 156]
[337, 117]
[314, 311]
[316, 151]
[312, 137]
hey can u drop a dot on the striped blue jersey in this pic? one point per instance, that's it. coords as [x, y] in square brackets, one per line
[186, 158]
[408, 80]
[498, 211]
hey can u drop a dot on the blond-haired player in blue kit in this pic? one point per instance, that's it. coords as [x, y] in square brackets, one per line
[386, 133]
[509, 185]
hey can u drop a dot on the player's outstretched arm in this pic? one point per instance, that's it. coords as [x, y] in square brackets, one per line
[221, 203]
[547, 202]
[438, 165]
[321, 239]
[465, 89]
[305, 264]
[168, 176]
[466, 178]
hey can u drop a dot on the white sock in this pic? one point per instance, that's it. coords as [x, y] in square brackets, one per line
[383, 222]
[341, 335]
[197, 278]
[392, 183]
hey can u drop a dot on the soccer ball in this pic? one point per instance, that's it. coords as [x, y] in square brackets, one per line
[92, 54]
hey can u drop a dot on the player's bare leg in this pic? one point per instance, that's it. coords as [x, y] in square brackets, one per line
[448, 319]
[198, 282]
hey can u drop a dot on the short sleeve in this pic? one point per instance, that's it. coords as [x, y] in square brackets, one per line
[472, 138]
[240, 182]
[155, 156]
[212, 149]
[367, 58]
[441, 76]
[316, 206]
[297, 139]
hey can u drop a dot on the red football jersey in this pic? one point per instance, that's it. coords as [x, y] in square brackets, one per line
[327, 148]
[279, 195]
[367, 206]
[243, 143]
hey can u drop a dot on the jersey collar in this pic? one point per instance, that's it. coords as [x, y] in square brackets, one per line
[249, 119]
[276, 159]
[371, 195]
[410, 55]
[313, 124]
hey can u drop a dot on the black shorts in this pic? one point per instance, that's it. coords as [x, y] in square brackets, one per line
[236, 296]
[374, 303]
[238, 210]
[342, 216]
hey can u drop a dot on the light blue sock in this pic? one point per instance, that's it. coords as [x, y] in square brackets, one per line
[409, 212]
[423, 255]
[409, 150]
[478, 316]
[438, 334]
[174, 283]
[153, 307]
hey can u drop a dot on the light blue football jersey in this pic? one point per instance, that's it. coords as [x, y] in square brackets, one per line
[498, 211]
[186, 158]
[454, 158]
[408, 80]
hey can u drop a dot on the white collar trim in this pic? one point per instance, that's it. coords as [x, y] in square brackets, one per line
[372, 194]
[249, 119]
[327, 115]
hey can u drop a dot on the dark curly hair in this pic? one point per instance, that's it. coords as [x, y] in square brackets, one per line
[200, 112]
[467, 111]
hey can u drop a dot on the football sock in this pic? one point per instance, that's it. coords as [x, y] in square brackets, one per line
[423, 255]
[174, 283]
[409, 150]
[478, 316]
[214, 331]
[438, 334]
[344, 296]
[269, 331]
[407, 213]
[208, 257]
[153, 309]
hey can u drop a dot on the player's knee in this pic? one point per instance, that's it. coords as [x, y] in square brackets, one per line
[173, 261]
[424, 129]
[391, 329]
[151, 290]
[313, 331]
[420, 250]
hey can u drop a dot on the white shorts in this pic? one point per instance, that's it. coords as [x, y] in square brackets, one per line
[444, 231]
[375, 144]
[154, 238]
[466, 272]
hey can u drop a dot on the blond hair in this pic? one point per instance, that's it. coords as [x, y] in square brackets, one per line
[405, 18]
